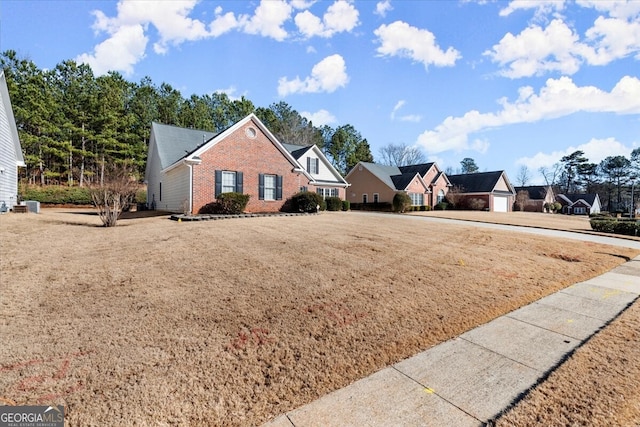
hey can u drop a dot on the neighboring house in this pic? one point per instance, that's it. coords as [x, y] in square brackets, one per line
[374, 183]
[187, 168]
[493, 188]
[10, 152]
[327, 181]
[579, 204]
[539, 195]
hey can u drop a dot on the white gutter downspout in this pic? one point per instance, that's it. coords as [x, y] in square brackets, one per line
[191, 163]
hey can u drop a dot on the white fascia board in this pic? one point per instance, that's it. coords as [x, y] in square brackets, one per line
[328, 164]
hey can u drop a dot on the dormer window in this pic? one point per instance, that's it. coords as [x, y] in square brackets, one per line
[313, 165]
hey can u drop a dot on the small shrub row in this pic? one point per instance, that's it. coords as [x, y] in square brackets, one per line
[226, 204]
[629, 227]
[56, 194]
[377, 207]
[423, 208]
[64, 195]
[442, 206]
[304, 201]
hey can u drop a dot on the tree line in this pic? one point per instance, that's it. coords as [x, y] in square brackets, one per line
[614, 178]
[72, 124]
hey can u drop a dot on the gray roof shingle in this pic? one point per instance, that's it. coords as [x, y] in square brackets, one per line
[174, 143]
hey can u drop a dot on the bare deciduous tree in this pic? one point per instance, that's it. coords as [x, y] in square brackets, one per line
[455, 195]
[524, 176]
[551, 174]
[401, 155]
[114, 194]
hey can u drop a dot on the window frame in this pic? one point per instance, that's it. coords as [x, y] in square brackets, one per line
[417, 199]
[262, 187]
[313, 165]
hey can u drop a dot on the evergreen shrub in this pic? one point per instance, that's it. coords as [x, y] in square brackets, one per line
[401, 202]
[334, 204]
[226, 204]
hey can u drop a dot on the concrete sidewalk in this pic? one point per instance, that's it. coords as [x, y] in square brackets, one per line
[470, 380]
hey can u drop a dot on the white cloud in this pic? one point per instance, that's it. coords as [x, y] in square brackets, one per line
[401, 39]
[595, 150]
[302, 4]
[382, 7]
[341, 16]
[326, 76]
[559, 48]
[558, 98]
[231, 93]
[406, 118]
[319, 118]
[622, 9]
[223, 23]
[612, 39]
[268, 19]
[536, 51]
[124, 49]
[398, 105]
[542, 7]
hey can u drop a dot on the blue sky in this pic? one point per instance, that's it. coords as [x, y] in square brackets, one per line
[508, 83]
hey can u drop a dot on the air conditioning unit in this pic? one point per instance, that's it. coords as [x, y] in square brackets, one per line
[34, 206]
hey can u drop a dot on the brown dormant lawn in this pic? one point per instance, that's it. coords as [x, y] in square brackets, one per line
[233, 322]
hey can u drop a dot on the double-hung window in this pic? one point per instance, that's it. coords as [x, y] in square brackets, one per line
[228, 182]
[269, 187]
[327, 192]
[417, 199]
[313, 165]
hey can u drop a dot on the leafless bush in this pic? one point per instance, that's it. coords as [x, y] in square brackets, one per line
[477, 204]
[117, 191]
[522, 199]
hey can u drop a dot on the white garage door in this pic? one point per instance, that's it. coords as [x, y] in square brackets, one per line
[500, 204]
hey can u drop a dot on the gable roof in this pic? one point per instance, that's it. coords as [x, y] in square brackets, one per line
[174, 143]
[13, 130]
[296, 150]
[382, 172]
[258, 123]
[572, 199]
[479, 182]
[421, 168]
[396, 178]
[536, 192]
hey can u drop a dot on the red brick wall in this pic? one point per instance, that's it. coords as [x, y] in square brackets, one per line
[237, 152]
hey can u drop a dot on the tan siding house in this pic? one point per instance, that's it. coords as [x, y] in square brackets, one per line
[373, 183]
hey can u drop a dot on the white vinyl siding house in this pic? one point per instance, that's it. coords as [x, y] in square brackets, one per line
[325, 178]
[175, 187]
[10, 150]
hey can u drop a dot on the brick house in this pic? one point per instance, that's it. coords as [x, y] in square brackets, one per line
[187, 168]
[579, 204]
[537, 197]
[425, 183]
[492, 188]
